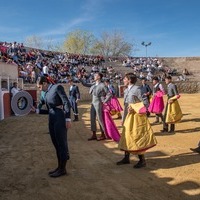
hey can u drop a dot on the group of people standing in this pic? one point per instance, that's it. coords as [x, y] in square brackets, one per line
[104, 103]
[154, 103]
[137, 134]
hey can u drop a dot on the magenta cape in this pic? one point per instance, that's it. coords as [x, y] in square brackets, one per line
[157, 103]
[110, 127]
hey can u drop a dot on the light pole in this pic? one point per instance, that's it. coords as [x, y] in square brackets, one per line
[146, 45]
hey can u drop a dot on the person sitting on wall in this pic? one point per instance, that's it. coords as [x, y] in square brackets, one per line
[14, 89]
[186, 72]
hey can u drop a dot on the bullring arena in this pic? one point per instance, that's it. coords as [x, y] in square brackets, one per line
[172, 172]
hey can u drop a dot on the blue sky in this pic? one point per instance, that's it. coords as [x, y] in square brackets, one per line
[172, 26]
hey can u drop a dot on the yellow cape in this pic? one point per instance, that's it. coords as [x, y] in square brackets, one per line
[174, 113]
[137, 135]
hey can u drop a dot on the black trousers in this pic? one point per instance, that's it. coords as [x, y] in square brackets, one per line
[58, 133]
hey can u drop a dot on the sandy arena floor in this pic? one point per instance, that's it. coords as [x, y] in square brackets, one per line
[26, 155]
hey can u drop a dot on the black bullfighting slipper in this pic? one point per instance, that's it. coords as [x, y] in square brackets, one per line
[123, 161]
[92, 138]
[196, 150]
[140, 164]
[53, 171]
[58, 173]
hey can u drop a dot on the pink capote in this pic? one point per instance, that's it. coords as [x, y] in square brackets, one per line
[115, 105]
[110, 127]
[157, 103]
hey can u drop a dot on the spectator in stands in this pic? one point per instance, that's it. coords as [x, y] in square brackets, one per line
[186, 72]
[182, 77]
[63, 64]
[45, 70]
[163, 76]
[141, 76]
[149, 76]
[33, 75]
[110, 69]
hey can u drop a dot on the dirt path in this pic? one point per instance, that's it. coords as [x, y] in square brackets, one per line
[26, 155]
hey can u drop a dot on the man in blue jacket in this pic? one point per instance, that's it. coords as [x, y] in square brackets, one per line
[74, 97]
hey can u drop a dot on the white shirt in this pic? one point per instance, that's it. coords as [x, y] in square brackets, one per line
[14, 91]
[129, 87]
[33, 74]
[160, 86]
[45, 70]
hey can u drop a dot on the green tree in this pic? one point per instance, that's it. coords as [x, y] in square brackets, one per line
[79, 42]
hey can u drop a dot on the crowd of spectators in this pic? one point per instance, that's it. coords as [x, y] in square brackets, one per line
[149, 67]
[60, 66]
[33, 63]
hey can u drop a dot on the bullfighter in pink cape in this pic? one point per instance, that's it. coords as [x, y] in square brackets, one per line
[111, 130]
[157, 104]
[114, 104]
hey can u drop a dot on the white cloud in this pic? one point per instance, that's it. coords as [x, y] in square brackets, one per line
[65, 27]
[87, 14]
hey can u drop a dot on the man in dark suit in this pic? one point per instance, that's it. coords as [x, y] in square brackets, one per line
[74, 97]
[100, 95]
[59, 121]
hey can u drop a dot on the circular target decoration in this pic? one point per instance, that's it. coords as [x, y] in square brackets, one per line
[22, 103]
